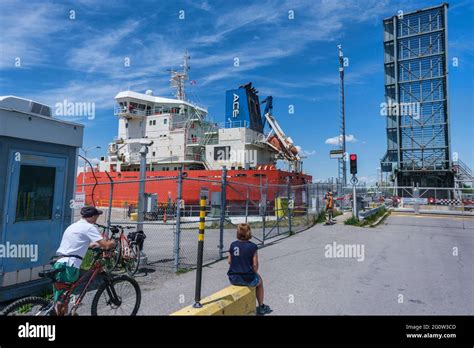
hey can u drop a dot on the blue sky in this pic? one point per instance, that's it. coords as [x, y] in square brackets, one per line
[295, 61]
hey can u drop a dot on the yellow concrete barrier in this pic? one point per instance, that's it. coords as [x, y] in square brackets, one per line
[133, 216]
[233, 300]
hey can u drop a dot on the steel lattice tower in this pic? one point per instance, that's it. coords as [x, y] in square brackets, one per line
[342, 173]
[416, 92]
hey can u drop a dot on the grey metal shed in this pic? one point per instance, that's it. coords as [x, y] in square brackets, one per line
[38, 163]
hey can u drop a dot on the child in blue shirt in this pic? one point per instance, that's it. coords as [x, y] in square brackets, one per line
[243, 261]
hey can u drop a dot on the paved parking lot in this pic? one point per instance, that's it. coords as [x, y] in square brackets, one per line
[409, 265]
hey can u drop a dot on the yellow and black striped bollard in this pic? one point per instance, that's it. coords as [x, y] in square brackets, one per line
[202, 221]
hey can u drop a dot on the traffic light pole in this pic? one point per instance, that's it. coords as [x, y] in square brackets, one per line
[354, 197]
[353, 165]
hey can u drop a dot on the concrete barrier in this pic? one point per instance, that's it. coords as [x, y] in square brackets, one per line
[233, 300]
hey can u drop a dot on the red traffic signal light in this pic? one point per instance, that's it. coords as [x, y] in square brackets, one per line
[353, 163]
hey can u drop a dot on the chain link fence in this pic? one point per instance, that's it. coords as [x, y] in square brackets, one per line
[170, 221]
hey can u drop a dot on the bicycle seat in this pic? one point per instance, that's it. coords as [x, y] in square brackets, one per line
[51, 273]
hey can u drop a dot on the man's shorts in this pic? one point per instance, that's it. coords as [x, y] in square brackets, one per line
[69, 275]
[241, 282]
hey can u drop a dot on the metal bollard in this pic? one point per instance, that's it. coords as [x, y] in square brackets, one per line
[202, 220]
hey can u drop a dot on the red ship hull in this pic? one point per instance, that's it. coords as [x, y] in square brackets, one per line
[242, 185]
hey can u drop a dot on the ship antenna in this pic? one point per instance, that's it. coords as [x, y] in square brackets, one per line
[178, 78]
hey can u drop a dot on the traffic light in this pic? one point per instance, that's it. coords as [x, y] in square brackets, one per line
[353, 160]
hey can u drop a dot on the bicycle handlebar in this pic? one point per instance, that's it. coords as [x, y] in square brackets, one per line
[117, 226]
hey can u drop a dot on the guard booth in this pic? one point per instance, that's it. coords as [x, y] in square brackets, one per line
[38, 163]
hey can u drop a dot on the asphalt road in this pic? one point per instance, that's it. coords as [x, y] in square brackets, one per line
[407, 267]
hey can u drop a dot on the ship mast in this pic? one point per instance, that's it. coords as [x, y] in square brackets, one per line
[178, 78]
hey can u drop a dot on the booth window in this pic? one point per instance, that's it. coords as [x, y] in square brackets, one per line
[35, 193]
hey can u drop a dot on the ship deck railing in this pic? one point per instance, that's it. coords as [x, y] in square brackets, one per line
[234, 124]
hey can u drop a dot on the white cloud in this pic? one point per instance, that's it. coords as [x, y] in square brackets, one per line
[100, 53]
[23, 27]
[305, 153]
[335, 140]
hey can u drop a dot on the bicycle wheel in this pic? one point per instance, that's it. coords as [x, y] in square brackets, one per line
[113, 256]
[30, 306]
[128, 293]
[133, 262]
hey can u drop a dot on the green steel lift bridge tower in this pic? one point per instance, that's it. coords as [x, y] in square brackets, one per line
[417, 102]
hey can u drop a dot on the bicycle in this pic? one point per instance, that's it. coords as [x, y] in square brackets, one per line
[127, 248]
[113, 294]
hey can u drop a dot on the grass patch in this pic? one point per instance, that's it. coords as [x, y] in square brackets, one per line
[368, 221]
[352, 221]
[321, 218]
[371, 219]
[384, 218]
[183, 270]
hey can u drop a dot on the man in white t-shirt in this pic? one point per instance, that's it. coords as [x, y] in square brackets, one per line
[77, 238]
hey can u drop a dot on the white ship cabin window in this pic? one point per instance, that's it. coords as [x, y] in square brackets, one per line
[126, 125]
[153, 153]
[152, 123]
[165, 121]
[123, 106]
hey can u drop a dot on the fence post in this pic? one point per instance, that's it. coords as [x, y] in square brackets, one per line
[247, 205]
[202, 224]
[416, 205]
[308, 197]
[141, 188]
[263, 208]
[317, 199]
[288, 200]
[223, 210]
[111, 194]
[177, 232]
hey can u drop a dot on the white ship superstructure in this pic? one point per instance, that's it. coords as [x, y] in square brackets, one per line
[182, 136]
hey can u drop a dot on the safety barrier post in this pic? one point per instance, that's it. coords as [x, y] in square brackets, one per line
[177, 232]
[202, 221]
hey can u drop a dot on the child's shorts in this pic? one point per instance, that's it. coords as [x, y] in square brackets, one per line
[238, 281]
